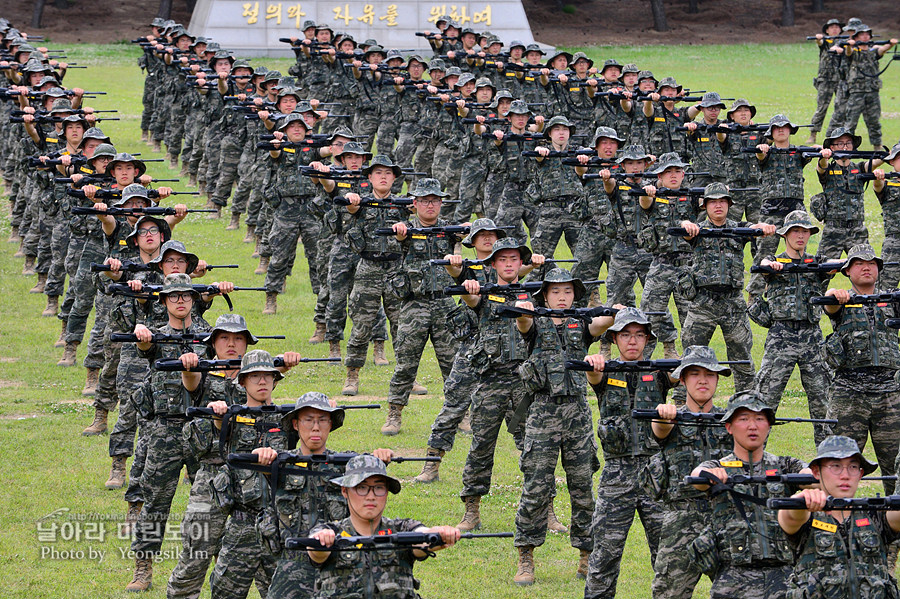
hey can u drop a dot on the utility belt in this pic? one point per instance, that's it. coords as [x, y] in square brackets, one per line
[675, 258]
[781, 207]
[719, 292]
[430, 296]
[566, 198]
[171, 419]
[242, 515]
[383, 259]
[844, 224]
[796, 325]
[755, 564]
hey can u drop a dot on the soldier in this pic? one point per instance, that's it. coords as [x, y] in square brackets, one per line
[423, 305]
[663, 118]
[840, 552]
[558, 422]
[865, 354]
[887, 190]
[840, 205]
[574, 92]
[473, 152]
[365, 485]
[627, 446]
[751, 561]
[863, 82]
[717, 277]
[706, 141]
[742, 168]
[828, 77]
[686, 512]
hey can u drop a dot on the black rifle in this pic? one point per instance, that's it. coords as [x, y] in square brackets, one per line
[635, 365]
[880, 504]
[726, 232]
[711, 418]
[102, 180]
[875, 298]
[790, 150]
[726, 127]
[470, 262]
[593, 161]
[386, 203]
[250, 461]
[794, 267]
[207, 365]
[148, 210]
[141, 267]
[829, 38]
[148, 290]
[871, 177]
[838, 154]
[494, 288]
[555, 154]
[797, 480]
[398, 541]
[515, 137]
[446, 230]
[177, 338]
[695, 192]
[585, 314]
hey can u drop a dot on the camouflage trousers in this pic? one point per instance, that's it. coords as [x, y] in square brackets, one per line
[824, 91]
[420, 319]
[96, 356]
[174, 135]
[861, 413]
[746, 204]
[868, 105]
[627, 265]
[211, 155]
[84, 288]
[515, 209]
[768, 246]
[489, 202]
[130, 375]
[675, 574]
[371, 289]
[249, 168]
[405, 151]
[202, 529]
[230, 150]
[459, 389]
[728, 311]
[424, 158]
[619, 496]
[791, 343]
[135, 491]
[447, 168]
[59, 249]
[264, 228]
[496, 398]
[365, 125]
[193, 132]
[241, 560]
[292, 220]
[555, 221]
[661, 284]
[751, 582]
[557, 427]
[162, 108]
[32, 235]
[295, 576]
[167, 454]
[147, 102]
[106, 397]
[388, 129]
[342, 263]
[471, 187]
[197, 136]
[73, 258]
[593, 250]
[841, 95]
[838, 237]
[890, 252]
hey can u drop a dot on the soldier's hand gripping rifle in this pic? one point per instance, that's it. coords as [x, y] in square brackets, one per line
[799, 267]
[880, 504]
[181, 338]
[141, 267]
[714, 419]
[299, 464]
[874, 298]
[386, 203]
[398, 541]
[585, 314]
[725, 232]
[636, 365]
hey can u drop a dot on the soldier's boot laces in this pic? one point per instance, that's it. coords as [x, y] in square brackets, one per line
[271, 303]
[553, 523]
[116, 478]
[430, 469]
[670, 352]
[334, 350]
[319, 335]
[28, 268]
[98, 426]
[143, 576]
[263, 267]
[378, 353]
[52, 308]
[90, 386]
[472, 518]
[251, 234]
[525, 570]
[134, 512]
[351, 385]
[394, 421]
[61, 342]
[418, 389]
[582, 571]
[235, 223]
[68, 358]
[41, 283]
[465, 425]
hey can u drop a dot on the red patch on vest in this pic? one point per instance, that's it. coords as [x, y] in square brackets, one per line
[752, 137]
[381, 533]
[573, 325]
[307, 149]
[862, 522]
[522, 296]
[854, 171]
[364, 184]
[274, 430]
[683, 199]
[647, 378]
[881, 304]
[809, 260]
[771, 472]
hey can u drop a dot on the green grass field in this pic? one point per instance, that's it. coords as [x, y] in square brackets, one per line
[49, 466]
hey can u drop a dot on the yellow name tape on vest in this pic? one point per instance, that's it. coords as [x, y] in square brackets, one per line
[893, 184]
[497, 298]
[783, 260]
[704, 139]
[853, 306]
[824, 526]
[343, 184]
[659, 119]
[123, 242]
[477, 267]
[662, 200]
[290, 150]
[420, 237]
[245, 420]
[734, 464]
[616, 383]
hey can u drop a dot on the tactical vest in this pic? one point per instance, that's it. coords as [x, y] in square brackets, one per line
[249, 490]
[719, 262]
[862, 75]
[342, 84]
[532, 90]
[707, 152]
[336, 218]
[743, 169]
[411, 107]
[829, 64]
[306, 501]
[609, 113]
[118, 246]
[890, 207]
[545, 370]
[367, 574]
[781, 177]
[427, 279]
[574, 100]
[553, 179]
[738, 543]
[668, 212]
[473, 145]
[628, 214]
[663, 136]
[518, 168]
[788, 294]
[857, 342]
[601, 214]
[201, 435]
[843, 195]
[618, 394]
[842, 560]
[499, 343]
[165, 397]
[288, 182]
[361, 233]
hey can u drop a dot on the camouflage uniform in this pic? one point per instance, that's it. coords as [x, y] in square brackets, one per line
[411, 113]
[474, 153]
[863, 84]
[707, 155]
[742, 169]
[826, 83]
[889, 198]
[841, 208]
[663, 136]
[515, 206]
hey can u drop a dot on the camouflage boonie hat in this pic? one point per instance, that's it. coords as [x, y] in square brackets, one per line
[630, 68]
[669, 160]
[797, 218]
[510, 243]
[837, 132]
[739, 103]
[450, 23]
[560, 275]
[369, 42]
[646, 75]
[307, 24]
[25, 48]
[260, 71]
[503, 94]
[479, 225]
[581, 56]
[341, 131]
[199, 40]
[271, 76]
[625, 317]
[831, 22]
[852, 24]
[376, 49]
[303, 106]
[51, 79]
[324, 27]
[893, 153]
[383, 160]
[437, 64]
[61, 105]
[711, 100]
[610, 63]
[780, 120]
[521, 107]
[220, 55]
[177, 283]
[75, 118]
[534, 48]
[393, 53]
[241, 64]
[861, 251]
[669, 82]
[94, 133]
[453, 71]
[125, 157]
[364, 466]
[56, 92]
[634, 152]
[135, 190]
[158, 22]
[702, 356]
[317, 401]
[749, 400]
[230, 323]
[607, 132]
[556, 55]
[559, 120]
[861, 28]
[354, 147]
[35, 66]
[103, 150]
[466, 30]
[517, 44]
[292, 117]
[491, 40]
[838, 447]
[485, 82]
[463, 79]
[212, 47]
[175, 246]
[258, 360]
[428, 187]
[287, 82]
[289, 91]
[715, 191]
[165, 231]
